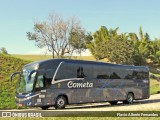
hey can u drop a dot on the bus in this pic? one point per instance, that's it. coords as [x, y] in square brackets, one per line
[60, 82]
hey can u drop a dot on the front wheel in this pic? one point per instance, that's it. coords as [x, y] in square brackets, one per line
[129, 98]
[60, 102]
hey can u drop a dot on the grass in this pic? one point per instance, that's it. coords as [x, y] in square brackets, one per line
[154, 86]
[45, 57]
[33, 57]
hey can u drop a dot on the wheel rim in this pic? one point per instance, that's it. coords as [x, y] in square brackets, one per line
[60, 102]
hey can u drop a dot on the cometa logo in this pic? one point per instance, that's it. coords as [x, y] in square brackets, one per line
[71, 84]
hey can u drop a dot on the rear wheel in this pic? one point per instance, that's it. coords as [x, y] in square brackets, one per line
[113, 102]
[129, 98]
[60, 102]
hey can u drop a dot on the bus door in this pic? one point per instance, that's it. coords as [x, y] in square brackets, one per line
[40, 89]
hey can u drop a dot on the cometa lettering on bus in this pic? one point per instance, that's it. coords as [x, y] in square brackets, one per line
[71, 84]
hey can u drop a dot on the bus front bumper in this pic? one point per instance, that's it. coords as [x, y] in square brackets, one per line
[23, 102]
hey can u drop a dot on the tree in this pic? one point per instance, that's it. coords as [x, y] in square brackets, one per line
[3, 50]
[57, 35]
[144, 44]
[158, 56]
[154, 48]
[133, 37]
[111, 45]
[141, 34]
[78, 40]
[147, 37]
[98, 45]
[141, 47]
[122, 52]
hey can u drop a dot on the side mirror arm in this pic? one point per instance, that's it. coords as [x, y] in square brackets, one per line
[15, 73]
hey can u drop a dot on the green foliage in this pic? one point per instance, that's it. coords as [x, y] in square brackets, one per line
[154, 49]
[117, 48]
[8, 65]
[78, 40]
[141, 33]
[3, 50]
[158, 56]
[139, 59]
[124, 48]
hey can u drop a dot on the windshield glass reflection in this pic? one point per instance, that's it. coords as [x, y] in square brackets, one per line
[25, 85]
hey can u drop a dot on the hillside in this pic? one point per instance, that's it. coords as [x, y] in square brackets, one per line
[45, 57]
[8, 65]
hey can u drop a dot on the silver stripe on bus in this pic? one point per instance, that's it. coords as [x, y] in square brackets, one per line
[53, 79]
[23, 99]
[33, 96]
[145, 81]
[58, 81]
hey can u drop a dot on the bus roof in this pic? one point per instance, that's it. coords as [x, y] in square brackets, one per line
[84, 62]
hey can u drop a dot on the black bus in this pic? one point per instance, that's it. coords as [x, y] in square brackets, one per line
[58, 82]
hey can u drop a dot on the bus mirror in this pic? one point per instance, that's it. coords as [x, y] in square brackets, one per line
[15, 73]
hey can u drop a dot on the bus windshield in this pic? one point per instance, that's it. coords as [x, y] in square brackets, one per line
[25, 84]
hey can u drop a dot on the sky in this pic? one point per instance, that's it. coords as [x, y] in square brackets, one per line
[17, 17]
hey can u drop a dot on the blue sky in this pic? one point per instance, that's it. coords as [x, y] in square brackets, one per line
[17, 18]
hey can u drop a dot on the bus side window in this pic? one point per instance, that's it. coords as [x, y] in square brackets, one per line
[80, 73]
[67, 71]
[114, 76]
[40, 81]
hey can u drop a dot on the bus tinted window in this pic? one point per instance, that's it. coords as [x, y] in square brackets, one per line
[92, 71]
[96, 71]
[101, 72]
[70, 70]
[139, 75]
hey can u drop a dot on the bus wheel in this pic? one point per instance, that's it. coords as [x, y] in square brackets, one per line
[129, 99]
[113, 102]
[44, 107]
[60, 102]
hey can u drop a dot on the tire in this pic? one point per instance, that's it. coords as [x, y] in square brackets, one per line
[113, 102]
[44, 107]
[60, 102]
[129, 98]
